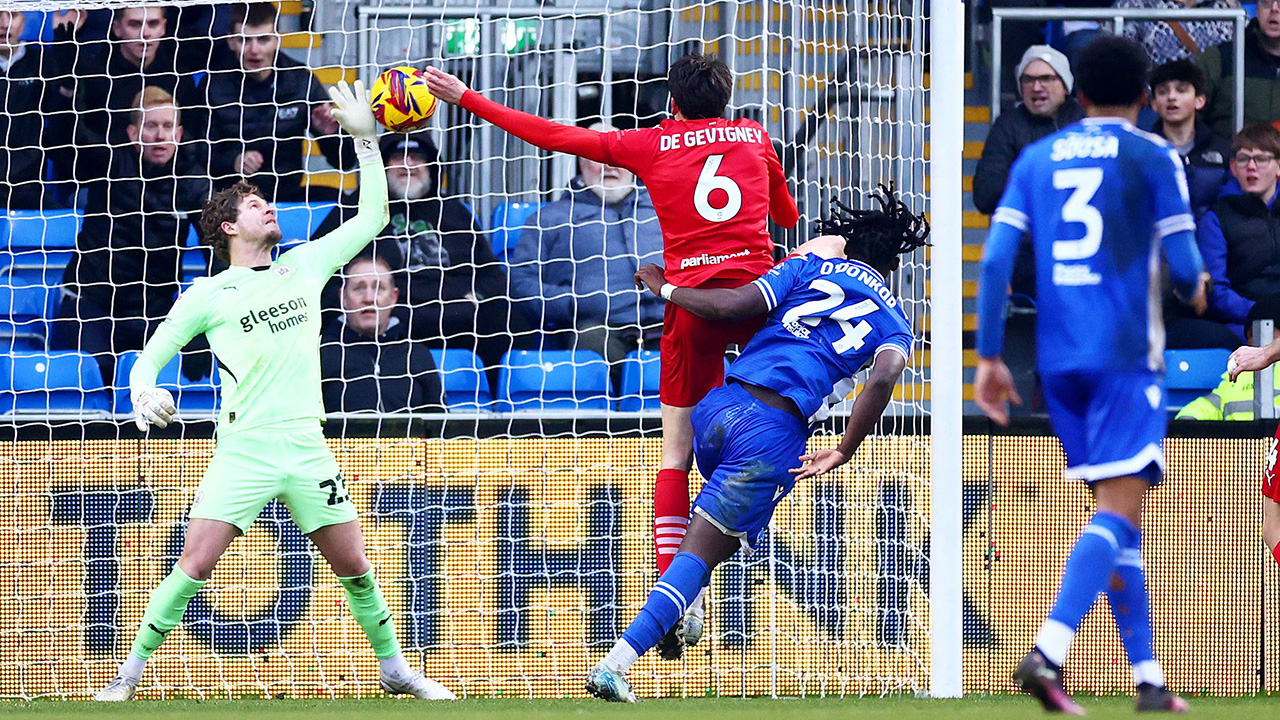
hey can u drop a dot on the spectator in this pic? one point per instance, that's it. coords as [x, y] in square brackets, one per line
[366, 358]
[262, 110]
[455, 290]
[1238, 236]
[24, 71]
[1261, 74]
[574, 267]
[1231, 401]
[1045, 81]
[1177, 93]
[101, 79]
[1167, 40]
[128, 264]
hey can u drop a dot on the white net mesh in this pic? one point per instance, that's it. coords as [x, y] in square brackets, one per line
[500, 449]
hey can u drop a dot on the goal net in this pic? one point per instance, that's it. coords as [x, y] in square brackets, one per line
[507, 512]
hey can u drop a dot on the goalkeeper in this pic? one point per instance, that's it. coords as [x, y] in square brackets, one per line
[262, 319]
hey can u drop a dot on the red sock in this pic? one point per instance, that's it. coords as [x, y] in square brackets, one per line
[670, 514]
[1275, 553]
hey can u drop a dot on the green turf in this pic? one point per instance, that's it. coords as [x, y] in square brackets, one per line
[893, 708]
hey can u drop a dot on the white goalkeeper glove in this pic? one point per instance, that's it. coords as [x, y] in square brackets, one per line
[351, 110]
[152, 405]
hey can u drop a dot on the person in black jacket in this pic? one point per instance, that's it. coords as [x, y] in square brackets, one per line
[24, 99]
[99, 81]
[455, 290]
[127, 267]
[1177, 95]
[262, 110]
[1045, 81]
[367, 361]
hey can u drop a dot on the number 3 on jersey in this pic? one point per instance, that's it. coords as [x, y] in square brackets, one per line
[1083, 184]
[708, 181]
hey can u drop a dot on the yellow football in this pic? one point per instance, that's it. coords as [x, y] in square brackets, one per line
[401, 101]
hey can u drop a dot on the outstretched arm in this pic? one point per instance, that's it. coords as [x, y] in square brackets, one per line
[351, 110]
[532, 129]
[867, 409]
[711, 303]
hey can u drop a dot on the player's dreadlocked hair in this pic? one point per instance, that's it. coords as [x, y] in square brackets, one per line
[876, 237]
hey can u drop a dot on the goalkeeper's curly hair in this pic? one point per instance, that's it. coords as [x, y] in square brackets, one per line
[877, 237]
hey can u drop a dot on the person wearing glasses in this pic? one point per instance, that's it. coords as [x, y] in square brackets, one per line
[1261, 82]
[1044, 86]
[1237, 236]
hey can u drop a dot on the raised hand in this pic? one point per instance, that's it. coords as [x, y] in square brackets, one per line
[444, 86]
[351, 109]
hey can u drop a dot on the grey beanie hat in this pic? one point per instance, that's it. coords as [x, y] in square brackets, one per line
[1056, 60]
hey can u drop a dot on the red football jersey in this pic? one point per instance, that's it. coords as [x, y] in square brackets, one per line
[714, 184]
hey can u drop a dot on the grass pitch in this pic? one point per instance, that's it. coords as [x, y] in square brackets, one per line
[891, 708]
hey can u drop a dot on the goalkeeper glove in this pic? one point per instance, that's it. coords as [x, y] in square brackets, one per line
[152, 406]
[351, 108]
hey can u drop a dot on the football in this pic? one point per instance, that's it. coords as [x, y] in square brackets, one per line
[401, 101]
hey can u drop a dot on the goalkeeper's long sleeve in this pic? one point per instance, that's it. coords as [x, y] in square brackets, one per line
[534, 130]
[187, 319]
[330, 252]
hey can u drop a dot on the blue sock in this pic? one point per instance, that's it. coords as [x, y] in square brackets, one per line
[668, 600]
[1089, 568]
[1131, 608]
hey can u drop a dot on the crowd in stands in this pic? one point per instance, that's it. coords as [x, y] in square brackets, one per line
[1232, 177]
[133, 117]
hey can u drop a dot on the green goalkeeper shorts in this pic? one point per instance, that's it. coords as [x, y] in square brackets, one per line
[291, 462]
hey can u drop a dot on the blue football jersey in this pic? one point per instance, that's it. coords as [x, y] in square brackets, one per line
[1097, 199]
[827, 319]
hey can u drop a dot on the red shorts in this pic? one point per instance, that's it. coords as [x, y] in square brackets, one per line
[692, 350]
[1271, 477]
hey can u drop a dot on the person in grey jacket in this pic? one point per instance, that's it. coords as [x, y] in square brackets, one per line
[572, 270]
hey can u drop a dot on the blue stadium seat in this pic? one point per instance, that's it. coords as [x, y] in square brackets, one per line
[41, 229]
[193, 399]
[641, 371]
[24, 308]
[641, 378]
[52, 383]
[1192, 373]
[465, 386]
[553, 380]
[508, 221]
[299, 220]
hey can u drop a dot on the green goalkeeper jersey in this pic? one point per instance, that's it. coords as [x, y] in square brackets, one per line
[263, 324]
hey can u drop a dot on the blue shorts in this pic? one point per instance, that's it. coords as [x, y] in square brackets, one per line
[744, 450]
[1111, 424]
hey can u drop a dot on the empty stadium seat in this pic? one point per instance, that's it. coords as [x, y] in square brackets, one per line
[641, 371]
[508, 221]
[22, 324]
[552, 380]
[299, 220]
[1192, 373]
[52, 383]
[466, 387]
[193, 399]
[40, 229]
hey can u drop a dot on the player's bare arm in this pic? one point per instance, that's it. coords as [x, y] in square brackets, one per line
[711, 303]
[867, 410]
